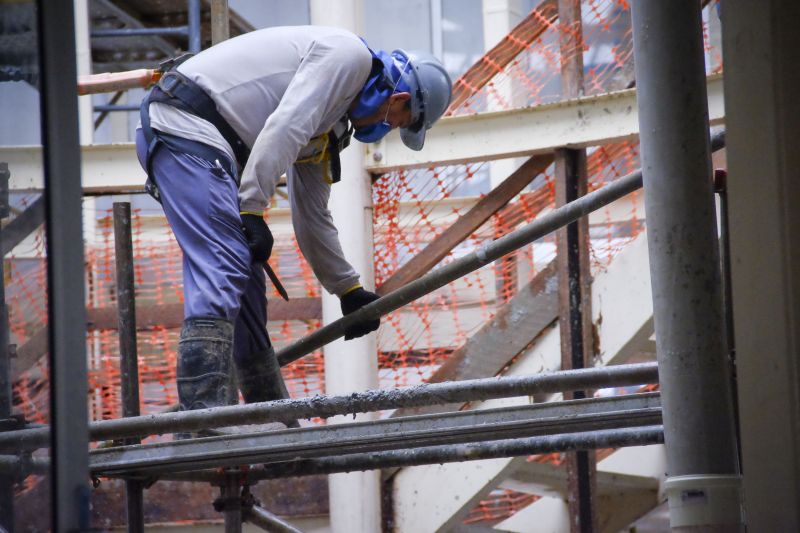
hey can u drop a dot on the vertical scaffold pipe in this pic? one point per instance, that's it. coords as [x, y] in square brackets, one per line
[684, 266]
[129, 365]
[194, 11]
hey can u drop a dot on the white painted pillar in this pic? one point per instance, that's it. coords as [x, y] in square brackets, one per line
[762, 116]
[84, 52]
[499, 18]
[351, 365]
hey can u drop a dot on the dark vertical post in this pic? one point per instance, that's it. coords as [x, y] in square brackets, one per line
[6, 482]
[232, 503]
[129, 364]
[574, 290]
[721, 188]
[64, 242]
[195, 42]
[703, 487]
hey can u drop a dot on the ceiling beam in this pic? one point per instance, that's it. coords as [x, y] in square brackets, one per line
[577, 123]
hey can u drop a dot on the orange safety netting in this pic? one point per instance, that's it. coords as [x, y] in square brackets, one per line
[411, 208]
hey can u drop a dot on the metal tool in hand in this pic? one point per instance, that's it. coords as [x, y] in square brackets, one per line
[276, 282]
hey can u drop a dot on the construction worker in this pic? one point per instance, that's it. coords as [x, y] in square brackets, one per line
[218, 131]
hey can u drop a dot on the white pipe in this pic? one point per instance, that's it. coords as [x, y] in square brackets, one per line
[83, 50]
[351, 365]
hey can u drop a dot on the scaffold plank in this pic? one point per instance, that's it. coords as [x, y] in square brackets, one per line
[577, 123]
[382, 435]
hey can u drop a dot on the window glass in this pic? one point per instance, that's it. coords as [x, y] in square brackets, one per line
[389, 24]
[273, 13]
[462, 34]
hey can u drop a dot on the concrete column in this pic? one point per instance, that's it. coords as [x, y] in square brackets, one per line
[499, 18]
[762, 113]
[703, 485]
[84, 62]
[351, 365]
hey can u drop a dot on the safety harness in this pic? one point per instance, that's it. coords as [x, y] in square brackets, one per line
[179, 91]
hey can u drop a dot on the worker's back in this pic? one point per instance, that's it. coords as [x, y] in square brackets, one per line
[248, 76]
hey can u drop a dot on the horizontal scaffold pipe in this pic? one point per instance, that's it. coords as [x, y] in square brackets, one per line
[451, 453]
[590, 440]
[359, 402]
[484, 255]
[267, 521]
[476, 425]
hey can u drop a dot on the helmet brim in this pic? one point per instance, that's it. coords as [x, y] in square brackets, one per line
[413, 139]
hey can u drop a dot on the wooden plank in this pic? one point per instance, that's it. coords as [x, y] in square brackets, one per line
[171, 315]
[23, 225]
[496, 59]
[467, 224]
[550, 479]
[148, 316]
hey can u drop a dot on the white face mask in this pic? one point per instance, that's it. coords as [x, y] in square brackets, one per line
[394, 89]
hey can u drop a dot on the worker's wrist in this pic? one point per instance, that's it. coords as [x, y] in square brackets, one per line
[254, 213]
[351, 289]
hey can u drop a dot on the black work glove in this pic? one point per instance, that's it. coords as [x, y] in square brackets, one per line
[259, 237]
[352, 301]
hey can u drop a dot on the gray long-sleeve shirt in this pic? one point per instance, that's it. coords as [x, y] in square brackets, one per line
[279, 88]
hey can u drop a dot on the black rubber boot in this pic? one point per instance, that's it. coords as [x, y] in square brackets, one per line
[260, 379]
[204, 362]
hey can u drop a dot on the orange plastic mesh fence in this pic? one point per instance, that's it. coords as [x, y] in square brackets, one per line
[411, 208]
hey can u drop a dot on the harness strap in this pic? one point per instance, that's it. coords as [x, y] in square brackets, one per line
[177, 90]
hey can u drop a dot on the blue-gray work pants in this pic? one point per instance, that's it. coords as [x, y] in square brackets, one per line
[200, 200]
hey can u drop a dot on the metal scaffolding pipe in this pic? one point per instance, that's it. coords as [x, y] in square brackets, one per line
[461, 267]
[195, 43]
[129, 358]
[684, 264]
[107, 108]
[267, 521]
[433, 436]
[529, 420]
[139, 32]
[231, 502]
[21, 467]
[327, 406]
[66, 323]
[569, 442]
[450, 453]
[6, 397]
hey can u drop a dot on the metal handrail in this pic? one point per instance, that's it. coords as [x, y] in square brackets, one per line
[487, 253]
[327, 406]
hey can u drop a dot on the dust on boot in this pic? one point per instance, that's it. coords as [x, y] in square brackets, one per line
[260, 378]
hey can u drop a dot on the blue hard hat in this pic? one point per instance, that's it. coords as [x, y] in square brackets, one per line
[430, 89]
